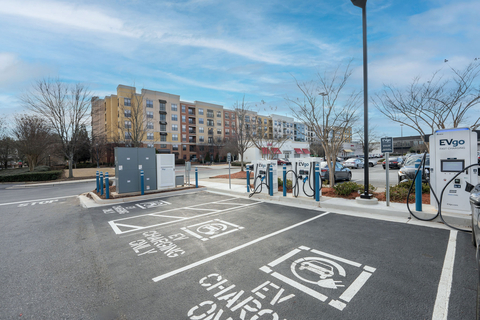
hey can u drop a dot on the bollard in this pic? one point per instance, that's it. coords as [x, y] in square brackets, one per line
[270, 180]
[284, 180]
[248, 180]
[98, 182]
[101, 183]
[318, 189]
[107, 186]
[142, 183]
[418, 187]
[196, 177]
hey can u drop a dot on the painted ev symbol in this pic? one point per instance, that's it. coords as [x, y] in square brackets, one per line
[310, 268]
[211, 228]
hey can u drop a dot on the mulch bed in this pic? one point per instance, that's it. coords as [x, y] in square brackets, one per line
[236, 175]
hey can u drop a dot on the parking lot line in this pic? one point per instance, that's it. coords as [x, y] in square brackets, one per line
[5, 204]
[221, 254]
[440, 310]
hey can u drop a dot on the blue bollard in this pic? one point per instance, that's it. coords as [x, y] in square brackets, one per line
[317, 182]
[270, 179]
[107, 186]
[101, 183]
[196, 177]
[142, 183]
[248, 180]
[418, 187]
[98, 182]
[284, 180]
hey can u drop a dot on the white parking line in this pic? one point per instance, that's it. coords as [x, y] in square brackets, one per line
[440, 310]
[8, 203]
[221, 254]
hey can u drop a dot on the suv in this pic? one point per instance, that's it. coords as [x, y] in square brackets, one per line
[394, 163]
[408, 170]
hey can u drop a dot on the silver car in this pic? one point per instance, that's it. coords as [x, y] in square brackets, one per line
[341, 173]
[354, 163]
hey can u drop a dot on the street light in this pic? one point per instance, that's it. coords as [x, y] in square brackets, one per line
[401, 130]
[363, 4]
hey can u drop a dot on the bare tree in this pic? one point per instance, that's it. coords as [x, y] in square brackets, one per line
[7, 150]
[33, 137]
[65, 107]
[262, 141]
[242, 136]
[99, 147]
[373, 138]
[330, 117]
[435, 103]
[133, 128]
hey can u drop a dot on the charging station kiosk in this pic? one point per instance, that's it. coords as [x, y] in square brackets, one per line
[451, 151]
[261, 170]
[304, 170]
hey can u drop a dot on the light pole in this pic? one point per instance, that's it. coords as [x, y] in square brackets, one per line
[401, 130]
[363, 4]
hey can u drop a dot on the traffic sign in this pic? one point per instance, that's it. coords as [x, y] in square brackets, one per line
[229, 157]
[386, 144]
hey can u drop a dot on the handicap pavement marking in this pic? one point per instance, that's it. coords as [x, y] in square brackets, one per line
[144, 221]
[211, 229]
[320, 275]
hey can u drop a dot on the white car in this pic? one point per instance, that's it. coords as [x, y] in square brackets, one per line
[353, 163]
[371, 163]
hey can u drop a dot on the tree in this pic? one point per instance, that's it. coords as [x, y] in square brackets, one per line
[84, 146]
[133, 128]
[33, 138]
[434, 104]
[373, 138]
[316, 148]
[242, 137]
[7, 150]
[332, 124]
[65, 107]
[99, 148]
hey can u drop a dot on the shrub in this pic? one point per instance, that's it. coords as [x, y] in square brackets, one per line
[399, 194]
[289, 183]
[361, 188]
[406, 185]
[238, 163]
[32, 176]
[42, 168]
[345, 189]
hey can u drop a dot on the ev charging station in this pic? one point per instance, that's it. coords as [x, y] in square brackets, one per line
[261, 170]
[451, 151]
[304, 173]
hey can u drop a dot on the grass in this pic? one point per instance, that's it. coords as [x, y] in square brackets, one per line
[12, 172]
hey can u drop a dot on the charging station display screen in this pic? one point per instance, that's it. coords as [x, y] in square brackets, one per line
[452, 165]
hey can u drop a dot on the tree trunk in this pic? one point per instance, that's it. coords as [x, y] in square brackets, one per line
[241, 161]
[70, 169]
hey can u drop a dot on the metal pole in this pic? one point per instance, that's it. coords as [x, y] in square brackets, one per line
[318, 190]
[229, 178]
[142, 183]
[387, 168]
[270, 179]
[284, 180]
[98, 182]
[418, 186]
[101, 183]
[107, 186]
[196, 177]
[248, 180]
[366, 195]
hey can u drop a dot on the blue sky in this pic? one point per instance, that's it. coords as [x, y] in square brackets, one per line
[217, 51]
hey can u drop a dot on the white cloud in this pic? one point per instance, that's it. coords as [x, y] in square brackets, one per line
[14, 71]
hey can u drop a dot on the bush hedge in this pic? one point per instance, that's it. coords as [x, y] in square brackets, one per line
[238, 163]
[32, 176]
[345, 189]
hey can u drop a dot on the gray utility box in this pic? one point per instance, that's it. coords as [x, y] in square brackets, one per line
[129, 162]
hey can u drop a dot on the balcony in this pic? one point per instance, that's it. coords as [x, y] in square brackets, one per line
[192, 140]
[162, 122]
[162, 111]
[191, 112]
[190, 131]
[210, 132]
[191, 122]
[210, 115]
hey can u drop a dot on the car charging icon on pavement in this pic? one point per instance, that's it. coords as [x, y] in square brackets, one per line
[211, 228]
[309, 269]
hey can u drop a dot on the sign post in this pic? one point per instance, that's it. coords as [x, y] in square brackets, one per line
[387, 147]
[229, 159]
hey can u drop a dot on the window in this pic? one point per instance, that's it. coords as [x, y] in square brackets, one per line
[210, 139]
[150, 114]
[201, 139]
[163, 127]
[201, 130]
[184, 128]
[184, 138]
[174, 117]
[200, 111]
[127, 113]
[184, 147]
[163, 138]
[209, 113]
[128, 135]
[227, 123]
[219, 131]
[163, 105]
[233, 125]
[174, 107]
[174, 137]
[227, 116]
[253, 119]
[175, 147]
[184, 119]
[210, 122]
[183, 108]
[233, 116]
[227, 131]
[219, 114]
[149, 103]
[174, 127]
[150, 145]
[163, 117]
[200, 120]
[275, 122]
[150, 136]
[128, 124]
[127, 102]
[219, 122]
[149, 125]
[163, 146]
[247, 118]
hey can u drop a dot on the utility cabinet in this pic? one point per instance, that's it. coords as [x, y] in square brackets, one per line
[147, 163]
[128, 163]
[165, 170]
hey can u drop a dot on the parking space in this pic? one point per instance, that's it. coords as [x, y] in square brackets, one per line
[206, 256]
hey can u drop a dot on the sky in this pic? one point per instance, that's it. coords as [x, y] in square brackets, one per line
[220, 51]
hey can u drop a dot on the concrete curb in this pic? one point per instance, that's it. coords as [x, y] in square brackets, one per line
[53, 183]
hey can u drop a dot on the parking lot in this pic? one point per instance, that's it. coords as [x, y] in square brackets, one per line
[211, 256]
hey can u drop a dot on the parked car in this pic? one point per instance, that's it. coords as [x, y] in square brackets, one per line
[371, 163]
[353, 163]
[283, 161]
[395, 163]
[407, 172]
[341, 173]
